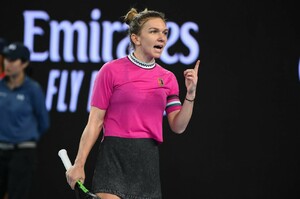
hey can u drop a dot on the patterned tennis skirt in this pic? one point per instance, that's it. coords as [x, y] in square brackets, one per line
[128, 168]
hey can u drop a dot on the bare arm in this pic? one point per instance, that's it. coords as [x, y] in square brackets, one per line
[88, 138]
[179, 120]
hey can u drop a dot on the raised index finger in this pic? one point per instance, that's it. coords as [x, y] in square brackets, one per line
[197, 66]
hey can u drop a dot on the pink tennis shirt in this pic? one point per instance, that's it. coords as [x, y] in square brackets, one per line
[135, 98]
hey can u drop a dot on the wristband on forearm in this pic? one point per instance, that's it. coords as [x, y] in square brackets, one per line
[190, 100]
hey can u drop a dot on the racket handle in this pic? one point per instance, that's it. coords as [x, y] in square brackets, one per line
[79, 187]
[65, 158]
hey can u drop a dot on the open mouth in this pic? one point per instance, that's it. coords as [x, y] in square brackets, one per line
[158, 46]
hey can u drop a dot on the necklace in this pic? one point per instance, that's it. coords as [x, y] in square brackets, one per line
[139, 63]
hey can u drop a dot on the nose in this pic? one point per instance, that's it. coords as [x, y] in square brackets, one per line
[162, 37]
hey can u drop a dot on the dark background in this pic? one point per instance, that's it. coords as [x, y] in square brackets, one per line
[243, 139]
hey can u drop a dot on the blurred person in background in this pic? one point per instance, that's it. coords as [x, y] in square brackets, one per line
[24, 119]
[3, 43]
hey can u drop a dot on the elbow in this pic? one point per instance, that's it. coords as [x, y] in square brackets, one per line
[178, 130]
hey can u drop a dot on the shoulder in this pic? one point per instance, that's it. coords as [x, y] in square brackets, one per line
[115, 63]
[164, 71]
[114, 66]
[29, 82]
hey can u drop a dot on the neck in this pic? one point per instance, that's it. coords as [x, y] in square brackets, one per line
[142, 57]
[140, 63]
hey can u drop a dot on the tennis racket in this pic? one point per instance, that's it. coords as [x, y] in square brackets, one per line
[81, 191]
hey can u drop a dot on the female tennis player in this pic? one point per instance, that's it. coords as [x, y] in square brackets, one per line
[129, 98]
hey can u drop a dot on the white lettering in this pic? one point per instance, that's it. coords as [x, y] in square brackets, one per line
[76, 82]
[108, 30]
[61, 105]
[172, 38]
[51, 89]
[68, 29]
[95, 36]
[30, 30]
[123, 46]
[189, 42]
[88, 37]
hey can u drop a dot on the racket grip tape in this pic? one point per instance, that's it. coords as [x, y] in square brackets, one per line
[65, 158]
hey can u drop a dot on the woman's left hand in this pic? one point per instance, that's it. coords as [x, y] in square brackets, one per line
[191, 79]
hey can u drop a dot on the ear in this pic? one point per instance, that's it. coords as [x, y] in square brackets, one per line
[135, 39]
[25, 64]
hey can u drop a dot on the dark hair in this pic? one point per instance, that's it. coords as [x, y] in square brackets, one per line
[136, 20]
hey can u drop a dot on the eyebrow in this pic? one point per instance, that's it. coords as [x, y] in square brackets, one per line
[167, 29]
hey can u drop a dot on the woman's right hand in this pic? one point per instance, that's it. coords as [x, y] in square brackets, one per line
[75, 173]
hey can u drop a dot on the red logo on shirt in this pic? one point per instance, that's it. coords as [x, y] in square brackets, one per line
[160, 81]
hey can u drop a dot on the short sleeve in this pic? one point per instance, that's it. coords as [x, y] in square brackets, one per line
[103, 88]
